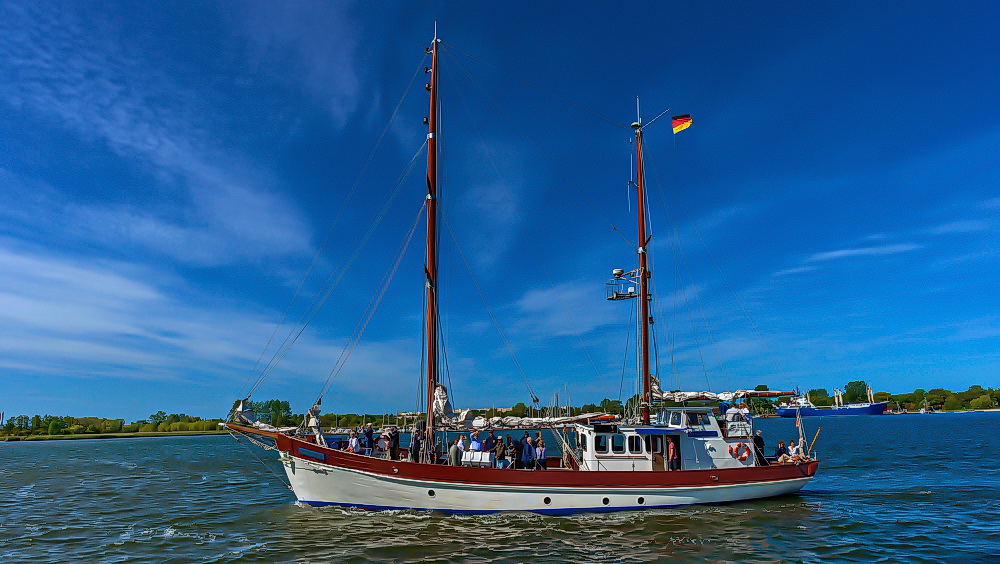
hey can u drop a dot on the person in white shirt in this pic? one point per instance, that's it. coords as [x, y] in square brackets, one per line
[793, 450]
[744, 412]
[733, 414]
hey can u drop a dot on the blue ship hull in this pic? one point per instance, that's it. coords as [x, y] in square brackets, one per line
[873, 409]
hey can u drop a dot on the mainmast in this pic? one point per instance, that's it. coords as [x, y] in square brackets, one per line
[644, 275]
[431, 267]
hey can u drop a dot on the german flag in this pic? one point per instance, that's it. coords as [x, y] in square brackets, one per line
[681, 122]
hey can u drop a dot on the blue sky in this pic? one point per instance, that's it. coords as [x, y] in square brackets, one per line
[168, 172]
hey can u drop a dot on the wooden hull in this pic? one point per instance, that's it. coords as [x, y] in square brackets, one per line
[321, 476]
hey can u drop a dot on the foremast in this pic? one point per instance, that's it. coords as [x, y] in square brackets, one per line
[431, 266]
[644, 276]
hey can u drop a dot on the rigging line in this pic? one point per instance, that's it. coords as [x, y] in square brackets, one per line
[539, 262]
[687, 306]
[321, 298]
[656, 118]
[533, 85]
[701, 310]
[628, 346]
[373, 304]
[546, 158]
[739, 302]
[336, 219]
[496, 322]
[694, 289]
[262, 463]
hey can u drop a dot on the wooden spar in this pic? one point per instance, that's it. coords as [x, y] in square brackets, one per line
[431, 267]
[644, 275]
[813, 443]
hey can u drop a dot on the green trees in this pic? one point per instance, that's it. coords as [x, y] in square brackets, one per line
[984, 401]
[856, 392]
[820, 397]
[519, 410]
[158, 417]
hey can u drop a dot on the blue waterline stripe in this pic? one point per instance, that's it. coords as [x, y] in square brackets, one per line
[567, 511]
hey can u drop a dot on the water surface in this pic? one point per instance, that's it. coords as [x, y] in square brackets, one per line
[919, 488]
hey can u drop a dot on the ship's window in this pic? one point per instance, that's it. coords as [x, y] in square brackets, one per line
[648, 448]
[698, 419]
[618, 444]
[601, 444]
[635, 444]
[583, 441]
[706, 419]
[675, 419]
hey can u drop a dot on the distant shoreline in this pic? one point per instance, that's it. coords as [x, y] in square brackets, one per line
[81, 437]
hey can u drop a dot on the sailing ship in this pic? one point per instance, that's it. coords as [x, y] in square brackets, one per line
[661, 457]
[802, 406]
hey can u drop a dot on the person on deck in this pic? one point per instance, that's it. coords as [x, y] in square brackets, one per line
[528, 455]
[758, 449]
[793, 450]
[353, 444]
[454, 455]
[393, 443]
[673, 460]
[781, 453]
[733, 414]
[490, 442]
[541, 460]
[513, 455]
[723, 407]
[475, 444]
[461, 444]
[499, 453]
[369, 438]
[415, 440]
[519, 451]
[745, 412]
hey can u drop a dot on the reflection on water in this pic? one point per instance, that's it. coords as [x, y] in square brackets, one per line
[877, 497]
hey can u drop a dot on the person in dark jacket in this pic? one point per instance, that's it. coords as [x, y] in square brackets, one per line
[758, 449]
[369, 438]
[415, 440]
[528, 455]
[393, 443]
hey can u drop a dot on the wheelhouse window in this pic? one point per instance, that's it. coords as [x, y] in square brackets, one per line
[635, 444]
[601, 444]
[618, 444]
[697, 419]
[583, 441]
[675, 419]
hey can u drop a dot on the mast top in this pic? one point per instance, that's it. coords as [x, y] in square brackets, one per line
[636, 125]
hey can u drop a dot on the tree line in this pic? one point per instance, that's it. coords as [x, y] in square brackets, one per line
[159, 422]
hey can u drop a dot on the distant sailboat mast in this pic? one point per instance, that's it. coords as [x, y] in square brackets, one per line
[431, 267]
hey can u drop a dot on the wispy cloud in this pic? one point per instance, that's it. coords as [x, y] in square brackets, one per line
[796, 270]
[864, 252]
[962, 226]
[566, 309]
[53, 66]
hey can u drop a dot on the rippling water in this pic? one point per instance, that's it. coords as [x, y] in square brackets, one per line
[919, 488]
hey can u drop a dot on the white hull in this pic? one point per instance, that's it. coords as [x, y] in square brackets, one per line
[319, 484]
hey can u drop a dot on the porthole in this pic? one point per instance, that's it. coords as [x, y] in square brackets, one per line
[547, 500]
[606, 501]
[431, 493]
[642, 501]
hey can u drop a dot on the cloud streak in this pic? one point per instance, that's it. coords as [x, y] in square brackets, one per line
[864, 252]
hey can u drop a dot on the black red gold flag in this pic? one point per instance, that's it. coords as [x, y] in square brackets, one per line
[681, 123]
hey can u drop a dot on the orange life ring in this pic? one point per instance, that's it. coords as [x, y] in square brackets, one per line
[735, 451]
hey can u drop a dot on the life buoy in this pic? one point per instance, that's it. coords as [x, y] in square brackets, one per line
[382, 444]
[735, 451]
